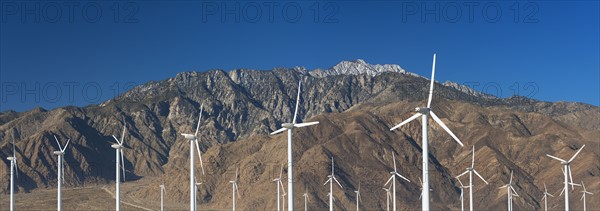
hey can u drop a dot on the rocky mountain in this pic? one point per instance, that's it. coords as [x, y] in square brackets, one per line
[355, 102]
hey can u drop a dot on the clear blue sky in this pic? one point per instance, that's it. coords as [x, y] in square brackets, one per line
[78, 53]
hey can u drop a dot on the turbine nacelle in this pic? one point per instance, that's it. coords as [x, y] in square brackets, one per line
[59, 153]
[10, 158]
[422, 110]
[288, 125]
[116, 146]
[190, 137]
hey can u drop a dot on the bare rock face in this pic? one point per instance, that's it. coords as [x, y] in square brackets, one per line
[356, 104]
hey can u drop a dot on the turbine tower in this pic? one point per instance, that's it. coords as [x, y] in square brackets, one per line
[193, 138]
[279, 184]
[425, 113]
[567, 174]
[510, 192]
[545, 198]
[61, 170]
[583, 192]
[119, 165]
[462, 194]
[306, 199]
[234, 188]
[330, 181]
[358, 198]
[393, 180]
[162, 193]
[470, 171]
[14, 169]
[289, 127]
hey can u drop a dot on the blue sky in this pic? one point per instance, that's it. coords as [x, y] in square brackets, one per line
[59, 53]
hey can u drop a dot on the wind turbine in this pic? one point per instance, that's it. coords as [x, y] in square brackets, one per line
[234, 188]
[14, 168]
[289, 127]
[119, 165]
[278, 183]
[470, 171]
[162, 192]
[510, 192]
[462, 194]
[393, 180]
[358, 198]
[330, 181]
[545, 198]
[193, 138]
[388, 195]
[583, 192]
[425, 112]
[567, 174]
[196, 185]
[61, 170]
[306, 199]
[421, 187]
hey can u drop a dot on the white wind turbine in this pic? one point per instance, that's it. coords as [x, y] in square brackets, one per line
[567, 174]
[61, 170]
[583, 192]
[279, 184]
[234, 188]
[545, 198]
[510, 192]
[162, 193]
[330, 181]
[462, 194]
[119, 165]
[421, 188]
[14, 168]
[196, 185]
[306, 199]
[358, 198]
[193, 138]
[393, 180]
[388, 195]
[425, 112]
[470, 171]
[289, 127]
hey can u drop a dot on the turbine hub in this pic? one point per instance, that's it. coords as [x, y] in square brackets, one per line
[469, 169]
[288, 125]
[423, 110]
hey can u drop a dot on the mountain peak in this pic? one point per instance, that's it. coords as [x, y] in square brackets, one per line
[357, 67]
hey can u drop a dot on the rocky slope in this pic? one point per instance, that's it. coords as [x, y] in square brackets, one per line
[356, 103]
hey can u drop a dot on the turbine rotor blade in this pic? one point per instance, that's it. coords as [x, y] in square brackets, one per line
[511, 174]
[297, 102]
[59, 147]
[326, 181]
[116, 139]
[578, 151]
[473, 158]
[467, 171]
[406, 121]
[480, 176]
[199, 118]
[432, 82]
[63, 170]
[392, 177]
[124, 128]
[402, 177]
[439, 121]
[336, 181]
[394, 159]
[305, 124]
[555, 158]
[66, 145]
[570, 176]
[199, 156]
[122, 163]
[278, 131]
